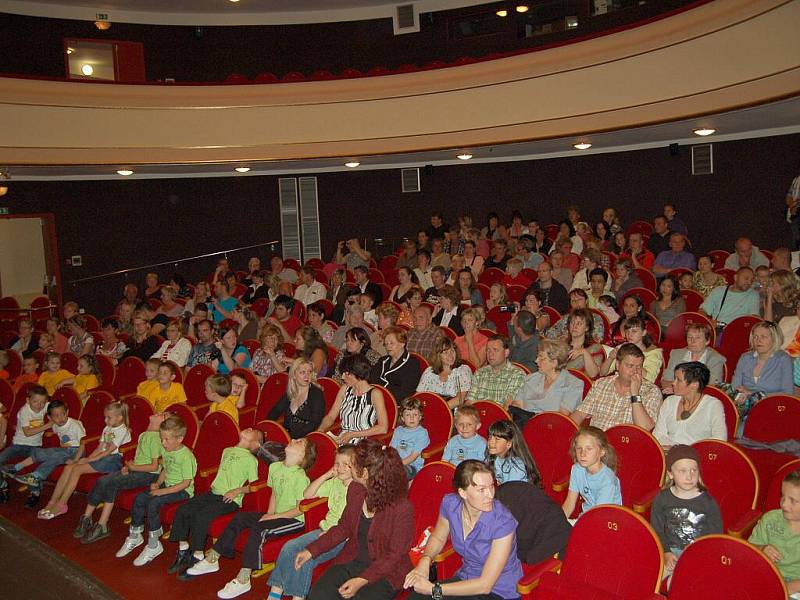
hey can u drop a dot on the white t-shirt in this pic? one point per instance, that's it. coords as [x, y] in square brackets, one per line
[707, 422]
[118, 436]
[71, 433]
[27, 418]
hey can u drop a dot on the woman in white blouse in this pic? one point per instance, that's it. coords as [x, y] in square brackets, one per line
[446, 376]
[176, 347]
[689, 415]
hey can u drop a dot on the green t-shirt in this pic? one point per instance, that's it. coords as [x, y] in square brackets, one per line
[238, 466]
[148, 449]
[288, 485]
[774, 530]
[336, 493]
[179, 466]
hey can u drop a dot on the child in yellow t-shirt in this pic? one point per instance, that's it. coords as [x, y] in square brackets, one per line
[218, 392]
[167, 392]
[88, 377]
[150, 382]
[53, 374]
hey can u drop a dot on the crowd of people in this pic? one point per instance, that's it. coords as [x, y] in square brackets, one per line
[562, 327]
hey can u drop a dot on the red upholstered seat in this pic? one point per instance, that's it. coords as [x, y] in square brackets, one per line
[549, 435]
[69, 362]
[675, 334]
[731, 413]
[130, 373]
[489, 413]
[271, 391]
[437, 418]
[641, 465]
[70, 397]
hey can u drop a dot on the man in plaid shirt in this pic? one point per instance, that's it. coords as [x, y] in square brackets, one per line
[499, 381]
[424, 335]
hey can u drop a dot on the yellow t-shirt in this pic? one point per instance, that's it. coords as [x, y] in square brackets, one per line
[84, 383]
[146, 388]
[162, 399]
[50, 380]
[227, 406]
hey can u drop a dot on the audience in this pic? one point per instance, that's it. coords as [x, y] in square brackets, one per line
[523, 340]
[675, 258]
[705, 278]
[302, 406]
[724, 304]
[554, 294]
[446, 375]
[668, 303]
[472, 345]
[499, 381]
[176, 347]
[357, 341]
[398, 371]
[423, 336]
[586, 355]
[745, 255]
[310, 290]
[635, 333]
[660, 238]
[698, 349]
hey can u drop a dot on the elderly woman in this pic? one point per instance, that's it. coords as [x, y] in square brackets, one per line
[550, 389]
[483, 533]
[472, 345]
[689, 415]
[378, 524]
[705, 279]
[302, 406]
[316, 318]
[779, 301]
[233, 354]
[111, 346]
[387, 314]
[81, 341]
[398, 371]
[467, 288]
[356, 341]
[449, 310]
[446, 375]
[26, 343]
[269, 359]
[169, 307]
[668, 303]
[176, 347]
[360, 407]
[698, 349]
[635, 333]
[585, 355]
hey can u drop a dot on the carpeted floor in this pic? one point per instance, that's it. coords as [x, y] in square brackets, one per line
[24, 563]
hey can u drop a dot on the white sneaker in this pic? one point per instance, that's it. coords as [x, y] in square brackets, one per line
[203, 567]
[233, 588]
[147, 555]
[131, 543]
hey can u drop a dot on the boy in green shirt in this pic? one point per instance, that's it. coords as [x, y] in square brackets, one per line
[174, 483]
[139, 472]
[237, 468]
[777, 534]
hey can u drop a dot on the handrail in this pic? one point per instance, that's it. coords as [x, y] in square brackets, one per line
[273, 243]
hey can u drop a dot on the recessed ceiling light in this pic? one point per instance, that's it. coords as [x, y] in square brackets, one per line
[102, 25]
[704, 131]
[352, 164]
[87, 70]
[242, 169]
[125, 172]
[3, 190]
[464, 156]
[233, 0]
[522, 8]
[582, 146]
[501, 12]
[70, 50]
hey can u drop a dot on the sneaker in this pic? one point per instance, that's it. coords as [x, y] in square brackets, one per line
[147, 555]
[8, 470]
[32, 501]
[84, 525]
[98, 532]
[233, 588]
[182, 574]
[29, 479]
[131, 543]
[203, 567]
[181, 559]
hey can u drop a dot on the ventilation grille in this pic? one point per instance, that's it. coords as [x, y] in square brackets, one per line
[406, 19]
[290, 225]
[309, 218]
[410, 179]
[702, 160]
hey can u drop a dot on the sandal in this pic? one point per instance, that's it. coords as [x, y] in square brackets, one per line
[61, 509]
[45, 514]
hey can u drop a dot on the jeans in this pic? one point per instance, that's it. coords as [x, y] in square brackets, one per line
[108, 486]
[298, 582]
[327, 587]
[193, 519]
[16, 451]
[145, 504]
[258, 534]
[49, 459]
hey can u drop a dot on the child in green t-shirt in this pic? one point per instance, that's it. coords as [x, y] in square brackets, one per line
[237, 468]
[174, 483]
[285, 579]
[288, 481]
[137, 473]
[777, 534]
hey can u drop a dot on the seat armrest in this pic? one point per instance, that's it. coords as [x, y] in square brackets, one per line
[309, 503]
[433, 451]
[205, 473]
[531, 574]
[258, 486]
[642, 504]
[744, 524]
[561, 485]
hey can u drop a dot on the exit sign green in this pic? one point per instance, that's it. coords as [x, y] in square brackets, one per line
[3, 210]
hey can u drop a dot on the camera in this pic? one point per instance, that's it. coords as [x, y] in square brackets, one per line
[508, 308]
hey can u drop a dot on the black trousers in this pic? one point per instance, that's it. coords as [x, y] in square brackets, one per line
[415, 596]
[259, 532]
[327, 587]
[193, 519]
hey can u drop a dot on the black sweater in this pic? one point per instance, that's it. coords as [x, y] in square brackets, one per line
[306, 419]
[679, 522]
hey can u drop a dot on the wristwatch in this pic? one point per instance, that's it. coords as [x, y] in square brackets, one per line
[636, 398]
[436, 593]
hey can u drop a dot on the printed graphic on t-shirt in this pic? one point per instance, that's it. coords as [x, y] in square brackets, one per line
[687, 524]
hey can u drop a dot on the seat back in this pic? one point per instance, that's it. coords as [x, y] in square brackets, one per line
[391, 406]
[489, 413]
[774, 418]
[692, 299]
[718, 258]
[437, 418]
[6, 395]
[587, 381]
[720, 566]
[194, 384]
[646, 295]
[728, 405]
[423, 362]
[330, 389]
[139, 413]
[107, 370]
[549, 435]
[326, 454]
[554, 315]
[736, 337]
[69, 362]
[588, 560]
[192, 423]
[491, 276]
[648, 280]
[730, 477]
[640, 466]
[772, 499]
[130, 373]
[92, 415]
[675, 334]
[70, 397]
[428, 487]
[14, 366]
[273, 432]
[500, 319]
[271, 391]
[217, 432]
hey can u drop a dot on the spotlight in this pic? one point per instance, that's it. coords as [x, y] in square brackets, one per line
[87, 70]
[124, 172]
[352, 164]
[501, 12]
[704, 131]
[522, 8]
[582, 146]
[242, 169]
[102, 25]
[464, 156]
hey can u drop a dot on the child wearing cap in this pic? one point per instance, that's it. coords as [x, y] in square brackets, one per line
[683, 511]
